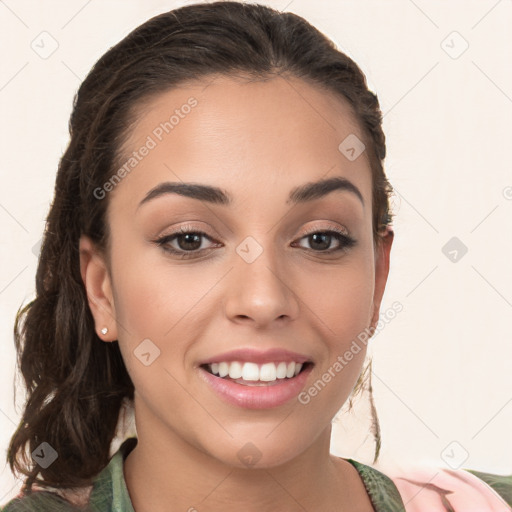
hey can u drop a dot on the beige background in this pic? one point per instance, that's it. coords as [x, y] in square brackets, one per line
[443, 366]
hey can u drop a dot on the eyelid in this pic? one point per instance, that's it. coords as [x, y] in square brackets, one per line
[188, 228]
[316, 229]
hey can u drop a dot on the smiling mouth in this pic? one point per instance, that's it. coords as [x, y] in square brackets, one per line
[252, 374]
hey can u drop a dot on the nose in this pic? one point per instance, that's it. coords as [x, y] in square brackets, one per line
[261, 291]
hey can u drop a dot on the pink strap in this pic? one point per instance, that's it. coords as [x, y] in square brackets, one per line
[442, 490]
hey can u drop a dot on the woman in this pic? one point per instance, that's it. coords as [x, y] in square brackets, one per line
[218, 242]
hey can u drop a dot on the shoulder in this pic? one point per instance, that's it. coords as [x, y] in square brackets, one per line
[437, 489]
[502, 484]
[416, 489]
[107, 493]
[380, 488]
[39, 501]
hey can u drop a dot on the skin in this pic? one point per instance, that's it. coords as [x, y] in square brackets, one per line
[257, 141]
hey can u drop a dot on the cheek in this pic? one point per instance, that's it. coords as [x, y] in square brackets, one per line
[341, 298]
[162, 303]
[154, 307]
[153, 295]
[344, 332]
[341, 308]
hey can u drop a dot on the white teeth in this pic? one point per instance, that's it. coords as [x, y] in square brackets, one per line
[281, 370]
[250, 371]
[235, 370]
[223, 369]
[267, 372]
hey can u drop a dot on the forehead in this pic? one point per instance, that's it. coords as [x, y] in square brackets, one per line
[252, 136]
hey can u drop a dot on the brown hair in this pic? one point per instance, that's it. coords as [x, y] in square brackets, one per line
[76, 383]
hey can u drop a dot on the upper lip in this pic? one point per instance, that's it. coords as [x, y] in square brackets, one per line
[252, 355]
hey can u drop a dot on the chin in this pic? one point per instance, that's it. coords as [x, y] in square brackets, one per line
[260, 451]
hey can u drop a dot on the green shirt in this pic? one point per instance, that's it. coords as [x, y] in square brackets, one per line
[110, 494]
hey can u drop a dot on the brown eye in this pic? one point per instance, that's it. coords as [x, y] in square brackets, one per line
[188, 243]
[321, 241]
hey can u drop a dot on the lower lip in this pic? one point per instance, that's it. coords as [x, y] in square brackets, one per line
[257, 397]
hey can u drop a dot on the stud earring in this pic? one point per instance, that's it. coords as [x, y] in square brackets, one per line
[104, 330]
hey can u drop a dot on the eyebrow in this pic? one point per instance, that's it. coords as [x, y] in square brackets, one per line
[216, 195]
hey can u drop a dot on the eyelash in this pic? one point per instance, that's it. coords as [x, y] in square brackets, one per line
[346, 241]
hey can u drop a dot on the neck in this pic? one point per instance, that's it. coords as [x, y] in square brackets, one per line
[163, 470]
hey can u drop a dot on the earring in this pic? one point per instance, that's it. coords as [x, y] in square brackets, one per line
[104, 330]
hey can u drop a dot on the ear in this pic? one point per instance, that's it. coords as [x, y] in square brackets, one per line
[381, 272]
[97, 282]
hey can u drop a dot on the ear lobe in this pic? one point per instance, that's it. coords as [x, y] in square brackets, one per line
[97, 282]
[381, 272]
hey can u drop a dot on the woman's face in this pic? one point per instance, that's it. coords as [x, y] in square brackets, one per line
[251, 277]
